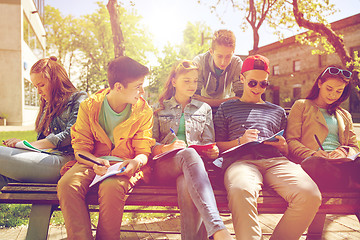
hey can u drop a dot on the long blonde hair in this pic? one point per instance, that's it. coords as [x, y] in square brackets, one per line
[60, 90]
[181, 67]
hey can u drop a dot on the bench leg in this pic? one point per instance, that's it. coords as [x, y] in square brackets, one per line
[316, 227]
[39, 222]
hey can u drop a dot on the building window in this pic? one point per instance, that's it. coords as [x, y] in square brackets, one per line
[31, 39]
[276, 70]
[31, 96]
[297, 66]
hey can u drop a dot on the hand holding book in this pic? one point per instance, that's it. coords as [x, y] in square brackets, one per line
[199, 148]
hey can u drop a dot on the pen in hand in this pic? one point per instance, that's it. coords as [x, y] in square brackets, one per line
[89, 159]
[318, 142]
[173, 133]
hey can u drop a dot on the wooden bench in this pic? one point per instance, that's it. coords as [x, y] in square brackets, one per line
[44, 201]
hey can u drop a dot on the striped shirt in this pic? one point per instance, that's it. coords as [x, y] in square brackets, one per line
[234, 117]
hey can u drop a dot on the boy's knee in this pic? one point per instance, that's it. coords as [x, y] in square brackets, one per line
[310, 196]
[115, 185]
[241, 195]
[64, 187]
[189, 153]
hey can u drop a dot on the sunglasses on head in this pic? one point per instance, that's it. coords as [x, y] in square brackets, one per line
[254, 83]
[186, 65]
[336, 71]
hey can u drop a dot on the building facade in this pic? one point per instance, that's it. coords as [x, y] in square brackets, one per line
[294, 68]
[22, 43]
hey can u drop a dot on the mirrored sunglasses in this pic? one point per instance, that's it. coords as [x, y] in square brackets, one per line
[254, 83]
[336, 71]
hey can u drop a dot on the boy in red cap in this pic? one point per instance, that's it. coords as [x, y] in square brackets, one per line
[247, 168]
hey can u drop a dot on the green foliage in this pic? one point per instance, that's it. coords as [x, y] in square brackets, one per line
[188, 49]
[3, 115]
[192, 43]
[12, 215]
[87, 43]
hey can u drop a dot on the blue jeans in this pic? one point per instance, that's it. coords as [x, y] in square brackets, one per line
[28, 166]
[200, 217]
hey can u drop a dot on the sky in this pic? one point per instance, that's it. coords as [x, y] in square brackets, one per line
[166, 19]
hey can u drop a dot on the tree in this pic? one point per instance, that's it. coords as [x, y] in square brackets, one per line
[188, 49]
[61, 33]
[118, 38]
[321, 31]
[256, 12]
[90, 40]
[193, 44]
[308, 14]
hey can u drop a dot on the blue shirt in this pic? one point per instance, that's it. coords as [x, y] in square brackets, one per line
[234, 117]
[331, 141]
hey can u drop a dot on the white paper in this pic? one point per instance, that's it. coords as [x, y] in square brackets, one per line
[112, 170]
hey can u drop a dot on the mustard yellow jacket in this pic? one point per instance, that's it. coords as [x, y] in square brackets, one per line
[305, 120]
[131, 137]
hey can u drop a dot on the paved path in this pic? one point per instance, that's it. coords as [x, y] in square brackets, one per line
[337, 227]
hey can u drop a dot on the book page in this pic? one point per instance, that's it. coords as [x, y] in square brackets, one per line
[27, 146]
[334, 160]
[270, 139]
[112, 170]
[198, 147]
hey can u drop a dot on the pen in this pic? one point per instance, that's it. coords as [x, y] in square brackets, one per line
[89, 159]
[319, 143]
[173, 132]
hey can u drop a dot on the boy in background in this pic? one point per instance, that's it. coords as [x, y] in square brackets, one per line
[113, 125]
[219, 70]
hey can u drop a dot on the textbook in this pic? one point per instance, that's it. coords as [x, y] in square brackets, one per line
[219, 161]
[335, 160]
[27, 146]
[270, 139]
[199, 148]
[112, 170]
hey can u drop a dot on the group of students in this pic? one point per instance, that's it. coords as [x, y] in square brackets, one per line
[214, 98]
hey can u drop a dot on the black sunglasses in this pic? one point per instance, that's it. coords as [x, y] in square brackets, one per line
[336, 71]
[254, 83]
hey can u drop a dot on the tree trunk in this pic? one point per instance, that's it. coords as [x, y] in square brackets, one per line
[118, 38]
[334, 39]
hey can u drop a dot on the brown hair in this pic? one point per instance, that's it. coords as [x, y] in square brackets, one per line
[323, 77]
[223, 37]
[179, 68]
[60, 90]
[125, 70]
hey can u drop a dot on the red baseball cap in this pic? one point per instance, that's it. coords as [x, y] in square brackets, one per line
[256, 62]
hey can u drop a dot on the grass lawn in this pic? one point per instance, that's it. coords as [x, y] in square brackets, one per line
[23, 135]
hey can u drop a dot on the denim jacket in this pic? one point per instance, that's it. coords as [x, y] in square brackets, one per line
[199, 127]
[61, 124]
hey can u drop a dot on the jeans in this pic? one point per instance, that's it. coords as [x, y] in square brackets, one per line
[72, 189]
[196, 198]
[243, 181]
[29, 166]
